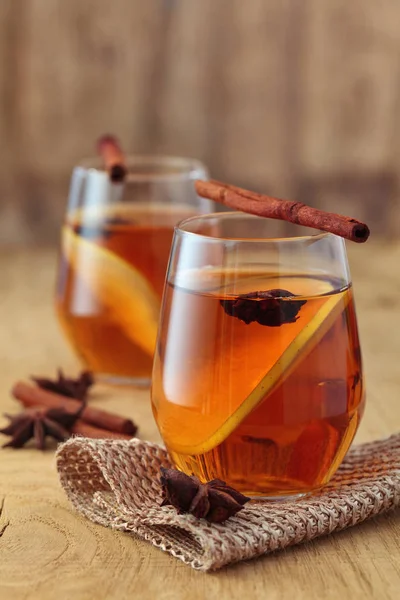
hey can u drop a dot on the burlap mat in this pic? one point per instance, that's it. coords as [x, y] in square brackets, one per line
[116, 483]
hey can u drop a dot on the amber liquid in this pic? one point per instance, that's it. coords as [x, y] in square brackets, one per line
[141, 236]
[208, 362]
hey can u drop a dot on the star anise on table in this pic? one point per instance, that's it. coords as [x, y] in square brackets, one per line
[214, 501]
[67, 386]
[39, 423]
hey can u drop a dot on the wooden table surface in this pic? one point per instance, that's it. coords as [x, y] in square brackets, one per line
[47, 551]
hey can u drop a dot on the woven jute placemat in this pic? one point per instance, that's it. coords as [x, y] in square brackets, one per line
[116, 483]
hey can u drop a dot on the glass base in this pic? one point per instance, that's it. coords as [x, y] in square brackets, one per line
[139, 382]
[277, 499]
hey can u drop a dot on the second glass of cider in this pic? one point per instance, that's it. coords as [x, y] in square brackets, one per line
[115, 245]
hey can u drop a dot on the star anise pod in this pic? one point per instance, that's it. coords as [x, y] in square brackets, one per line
[39, 423]
[215, 501]
[271, 308]
[67, 386]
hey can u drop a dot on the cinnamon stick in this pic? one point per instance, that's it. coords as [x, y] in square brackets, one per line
[86, 430]
[113, 158]
[286, 210]
[30, 395]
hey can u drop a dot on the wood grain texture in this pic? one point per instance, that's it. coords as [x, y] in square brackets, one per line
[297, 98]
[351, 60]
[47, 551]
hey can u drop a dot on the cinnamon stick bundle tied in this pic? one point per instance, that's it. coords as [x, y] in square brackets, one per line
[32, 396]
[286, 210]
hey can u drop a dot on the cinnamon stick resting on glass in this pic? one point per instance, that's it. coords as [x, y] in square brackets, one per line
[286, 210]
[110, 151]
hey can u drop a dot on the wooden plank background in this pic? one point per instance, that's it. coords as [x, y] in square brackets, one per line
[300, 98]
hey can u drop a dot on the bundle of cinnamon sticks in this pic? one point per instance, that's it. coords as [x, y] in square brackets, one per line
[93, 422]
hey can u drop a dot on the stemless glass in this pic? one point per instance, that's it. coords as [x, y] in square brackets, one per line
[114, 253]
[257, 377]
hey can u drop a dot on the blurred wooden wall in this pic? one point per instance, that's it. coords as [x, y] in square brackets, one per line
[300, 98]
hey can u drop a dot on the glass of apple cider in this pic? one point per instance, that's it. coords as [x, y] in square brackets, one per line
[257, 376]
[114, 252]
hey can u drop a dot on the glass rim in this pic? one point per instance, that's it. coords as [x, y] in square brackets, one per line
[179, 228]
[186, 168]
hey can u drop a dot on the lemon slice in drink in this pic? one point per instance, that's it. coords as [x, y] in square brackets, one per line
[296, 351]
[129, 299]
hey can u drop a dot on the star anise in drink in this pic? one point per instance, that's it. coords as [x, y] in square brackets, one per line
[39, 423]
[67, 386]
[271, 308]
[102, 229]
[214, 501]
